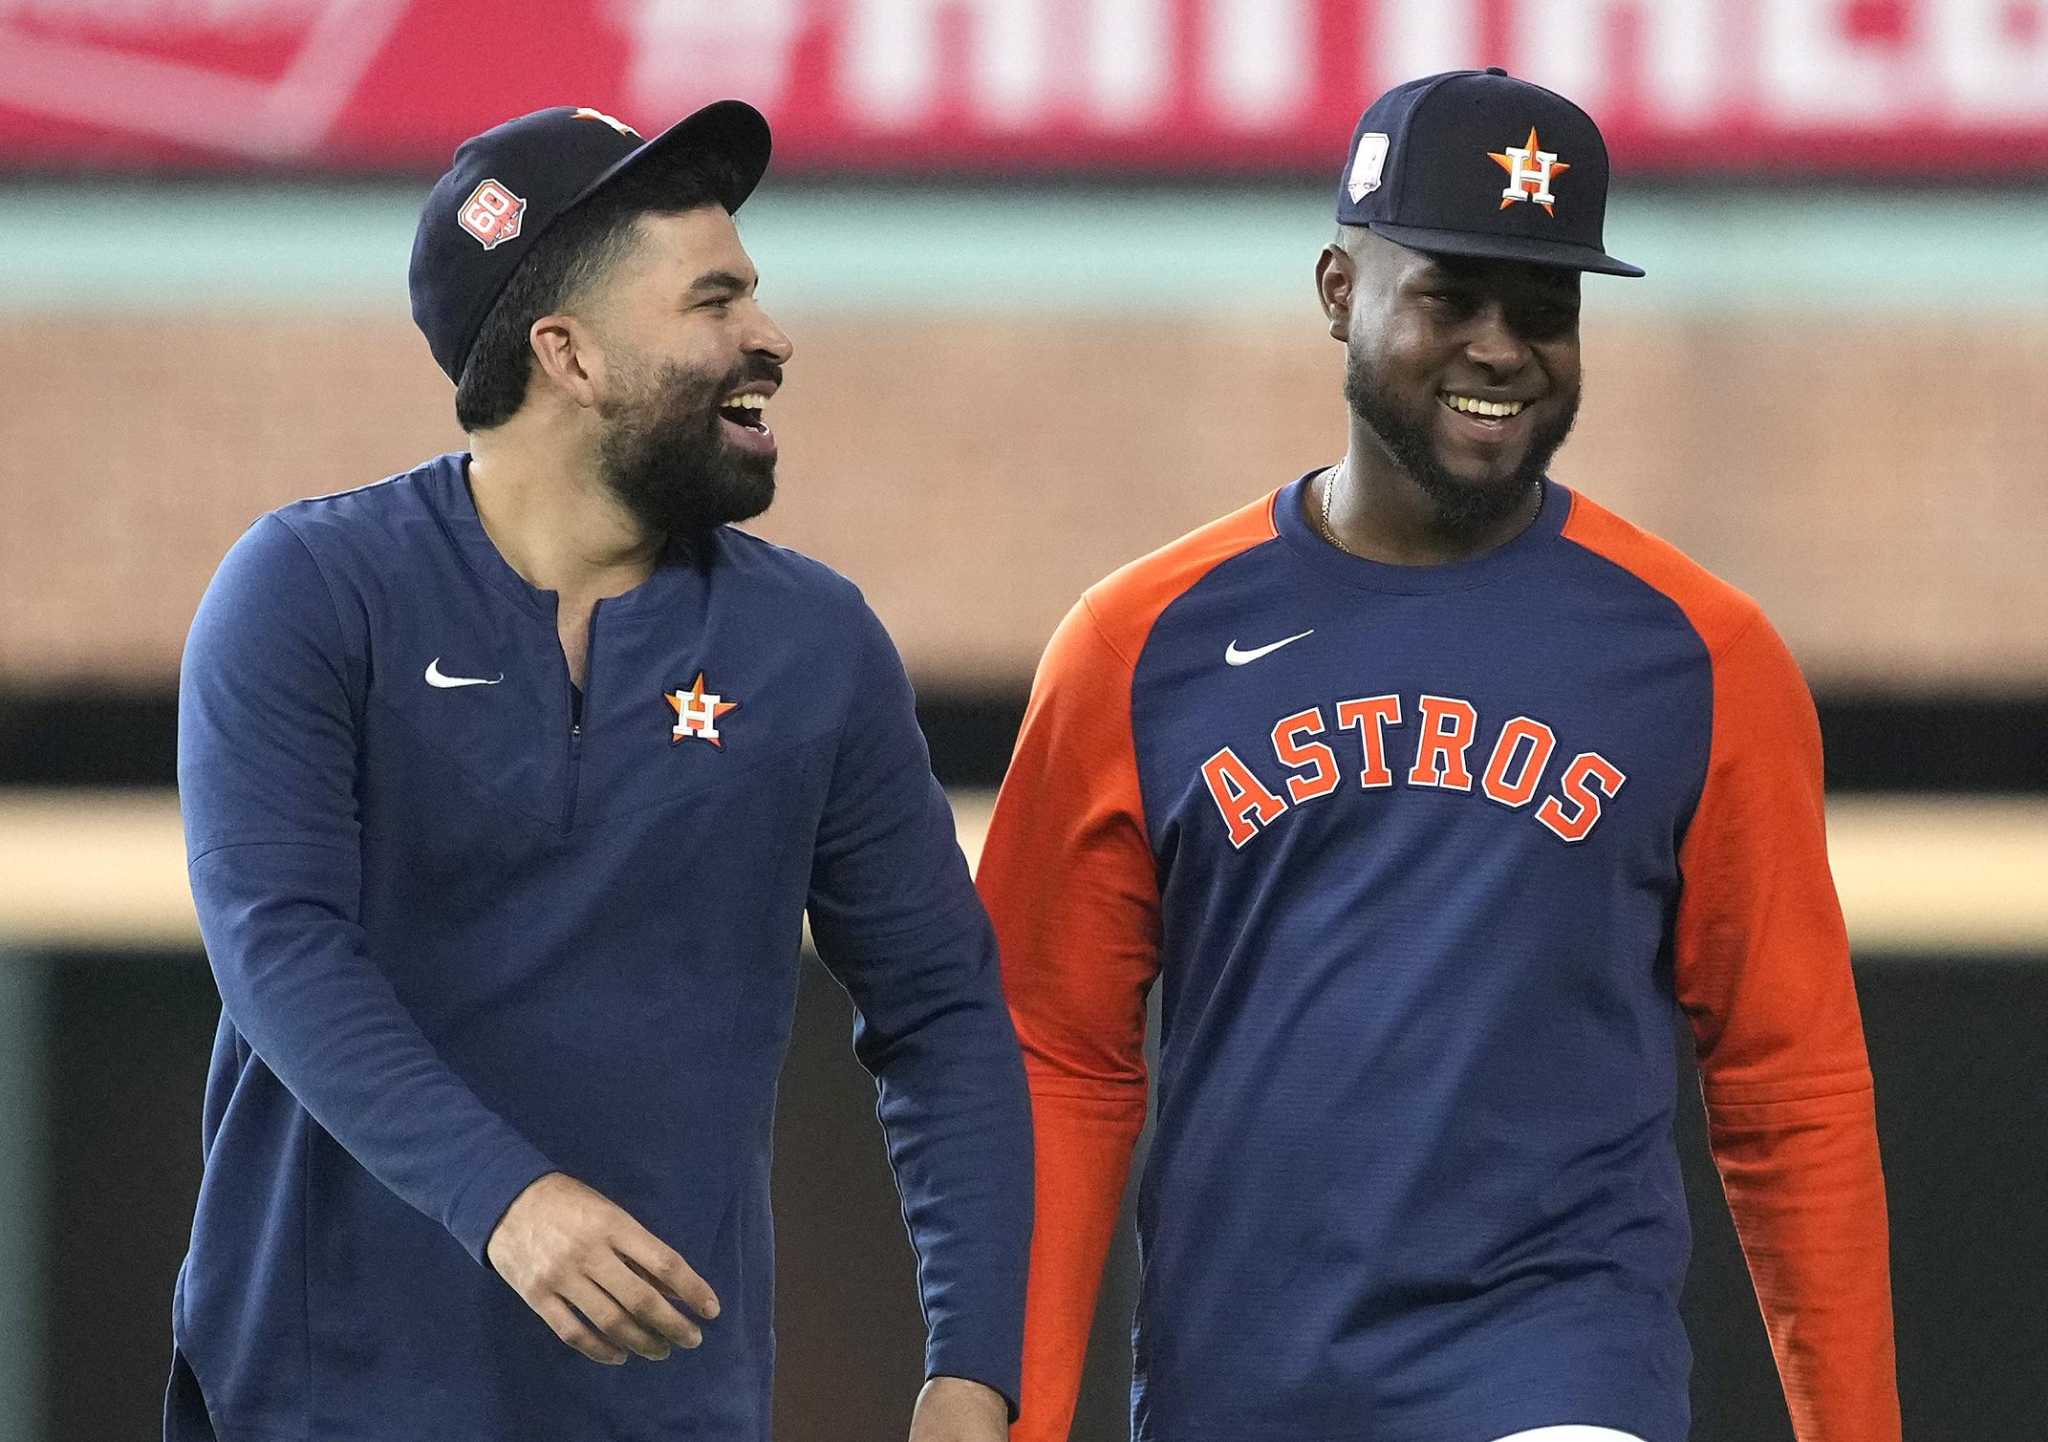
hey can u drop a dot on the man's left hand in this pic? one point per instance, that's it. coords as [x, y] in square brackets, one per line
[953, 1409]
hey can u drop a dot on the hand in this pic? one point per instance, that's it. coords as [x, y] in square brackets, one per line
[953, 1409]
[597, 1277]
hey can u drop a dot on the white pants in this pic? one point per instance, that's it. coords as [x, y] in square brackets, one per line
[1573, 1434]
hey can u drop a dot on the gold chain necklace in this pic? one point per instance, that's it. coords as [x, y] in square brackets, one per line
[1329, 485]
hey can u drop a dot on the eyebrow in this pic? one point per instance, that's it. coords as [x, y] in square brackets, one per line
[722, 280]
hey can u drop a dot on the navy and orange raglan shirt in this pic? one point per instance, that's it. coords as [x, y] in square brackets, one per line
[464, 939]
[1425, 880]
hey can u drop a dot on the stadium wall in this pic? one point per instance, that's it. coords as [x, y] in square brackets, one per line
[1061, 384]
[998, 395]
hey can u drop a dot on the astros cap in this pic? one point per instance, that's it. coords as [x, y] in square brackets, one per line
[1476, 162]
[509, 184]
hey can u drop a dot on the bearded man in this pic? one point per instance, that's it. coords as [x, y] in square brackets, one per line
[507, 783]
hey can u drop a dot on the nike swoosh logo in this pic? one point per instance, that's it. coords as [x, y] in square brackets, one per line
[435, 678]
[1239, 658]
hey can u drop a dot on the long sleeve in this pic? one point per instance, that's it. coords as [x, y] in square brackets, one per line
[897, 921]
[1071, 885]
[1762, 967]
[267, 757]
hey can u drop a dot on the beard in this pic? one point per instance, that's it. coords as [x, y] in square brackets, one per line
[665, 456]
[1465, 508]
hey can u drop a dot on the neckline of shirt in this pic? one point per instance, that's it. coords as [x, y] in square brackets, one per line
[1290, 520]
[457, 506]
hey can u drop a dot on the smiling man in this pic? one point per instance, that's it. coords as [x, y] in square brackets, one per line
[507, 783]
[1433, 795]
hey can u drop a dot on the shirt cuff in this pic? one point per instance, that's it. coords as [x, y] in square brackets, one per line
[481, 1204]
[977, 1364]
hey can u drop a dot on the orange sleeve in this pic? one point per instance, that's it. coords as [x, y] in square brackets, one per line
[1762, 969]
[1069, 879]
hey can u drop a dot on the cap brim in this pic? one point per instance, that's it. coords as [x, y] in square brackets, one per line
[1560, 254]
[731, 129]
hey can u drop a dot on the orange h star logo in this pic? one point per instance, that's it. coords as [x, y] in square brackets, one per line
[585, 112]
[697, 714]
[1530, 170]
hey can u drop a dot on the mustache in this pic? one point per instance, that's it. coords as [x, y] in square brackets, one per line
[754, 368]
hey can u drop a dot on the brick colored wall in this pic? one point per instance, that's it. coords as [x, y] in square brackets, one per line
[1876, 486]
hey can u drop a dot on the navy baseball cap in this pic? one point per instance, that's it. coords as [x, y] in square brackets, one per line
[1476, 162]
[509, 184]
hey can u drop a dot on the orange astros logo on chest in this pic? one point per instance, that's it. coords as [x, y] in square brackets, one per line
[697, 714]
[1446, 730]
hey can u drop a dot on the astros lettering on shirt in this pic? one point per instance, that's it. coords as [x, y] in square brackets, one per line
[1426, 862]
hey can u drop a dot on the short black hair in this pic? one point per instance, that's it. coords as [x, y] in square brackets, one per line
[577, 251]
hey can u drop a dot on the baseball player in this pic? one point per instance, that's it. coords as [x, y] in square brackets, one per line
[507, 783]
[1431, 794]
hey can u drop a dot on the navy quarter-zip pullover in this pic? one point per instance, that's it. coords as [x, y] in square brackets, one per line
[464, 939]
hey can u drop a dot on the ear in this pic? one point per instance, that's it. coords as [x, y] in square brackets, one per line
[570, 359]
[1336, 284]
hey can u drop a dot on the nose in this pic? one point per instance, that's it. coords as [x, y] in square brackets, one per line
[767, 338]
[1494, 343]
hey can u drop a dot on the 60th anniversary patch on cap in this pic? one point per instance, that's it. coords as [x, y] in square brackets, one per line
[491, 214]
[1476, 162]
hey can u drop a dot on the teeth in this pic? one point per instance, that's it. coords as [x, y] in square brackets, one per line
[1471, 405]
[748, 402]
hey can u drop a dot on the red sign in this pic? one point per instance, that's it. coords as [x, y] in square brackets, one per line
[1910, 88]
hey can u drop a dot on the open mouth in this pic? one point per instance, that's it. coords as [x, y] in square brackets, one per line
[748, 411]
[1473, 408]
[746, 424]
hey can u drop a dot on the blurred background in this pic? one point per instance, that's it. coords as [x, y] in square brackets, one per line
[1048, 268]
